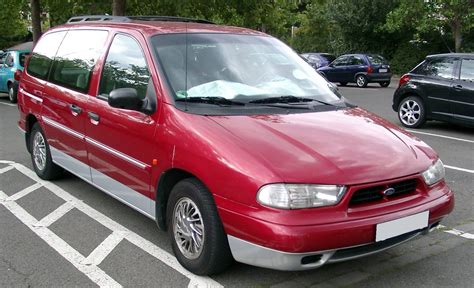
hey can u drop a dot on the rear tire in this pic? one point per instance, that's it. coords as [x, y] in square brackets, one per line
[12, 96]
[361, 81]
[195, 229]
[411, 112]
[384, 84]
[41, 155]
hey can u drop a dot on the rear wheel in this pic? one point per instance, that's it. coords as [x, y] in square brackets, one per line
[411, 112]
[361, 81]
[41, 155]
[12, 93]
[384, 84]
[195, 229]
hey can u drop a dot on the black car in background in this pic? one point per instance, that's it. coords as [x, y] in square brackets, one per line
[361, 69]
[318, 60]
[439, 88]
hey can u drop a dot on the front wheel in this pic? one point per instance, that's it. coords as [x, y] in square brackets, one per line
[411, 112]
[41, 155]
[195, 229]
[361, 81]
[384, 84]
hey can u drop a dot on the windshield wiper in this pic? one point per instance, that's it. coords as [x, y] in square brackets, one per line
[282, 99]
[214, 100]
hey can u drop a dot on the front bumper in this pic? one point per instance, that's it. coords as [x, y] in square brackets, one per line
[260, 256]
[310, 246]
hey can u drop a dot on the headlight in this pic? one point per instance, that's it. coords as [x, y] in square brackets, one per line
[298, 196]
[435, 173]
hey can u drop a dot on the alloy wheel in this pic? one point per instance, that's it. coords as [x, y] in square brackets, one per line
[410, 112]
[39, 151]
[188, 228]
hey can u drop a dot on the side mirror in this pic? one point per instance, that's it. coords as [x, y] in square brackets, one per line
[125, 98]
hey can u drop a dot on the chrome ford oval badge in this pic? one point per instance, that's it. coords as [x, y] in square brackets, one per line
[388, 192]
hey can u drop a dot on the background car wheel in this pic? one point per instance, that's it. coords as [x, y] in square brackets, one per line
[361, 81]
[41, 155]
[411, 112]
[195, 229]
[384, 84]
[343, 83]
[12, 93]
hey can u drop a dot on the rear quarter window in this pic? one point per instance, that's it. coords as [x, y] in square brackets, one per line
[436, 67]
[23, 58]
[377, 59]
[43, 54]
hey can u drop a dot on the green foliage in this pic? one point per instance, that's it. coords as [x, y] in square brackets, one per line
[13, 26]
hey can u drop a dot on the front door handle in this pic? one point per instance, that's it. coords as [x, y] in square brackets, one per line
[457, 87]
[75, 110]
[94, 117]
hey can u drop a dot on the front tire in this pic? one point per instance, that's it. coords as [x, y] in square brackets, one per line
[411, 112]
[41, 155]
[361, 81]
[195, 229]
[12, 96]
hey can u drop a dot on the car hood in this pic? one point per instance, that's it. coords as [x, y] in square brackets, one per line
[347, 146]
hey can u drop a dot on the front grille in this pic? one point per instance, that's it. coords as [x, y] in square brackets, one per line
[375, 193]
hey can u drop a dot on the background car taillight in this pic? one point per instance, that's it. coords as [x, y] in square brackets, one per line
[17, 75]
[369, 70]
[405, 78]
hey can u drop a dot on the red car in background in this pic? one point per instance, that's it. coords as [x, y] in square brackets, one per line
[226, 138]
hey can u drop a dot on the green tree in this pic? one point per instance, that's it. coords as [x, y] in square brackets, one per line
[455, 17]
[13, 25]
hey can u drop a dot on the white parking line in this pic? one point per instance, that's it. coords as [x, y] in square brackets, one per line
[456, 232]
[459, 169]
[440, 136]
[89, 265]
[8, 104]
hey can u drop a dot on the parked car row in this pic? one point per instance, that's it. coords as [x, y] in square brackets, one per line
[360, 69]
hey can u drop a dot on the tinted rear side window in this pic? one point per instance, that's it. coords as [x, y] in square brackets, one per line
[76, 58]
[467, 70]
[438, 67]
[376, 59]
[43, 54]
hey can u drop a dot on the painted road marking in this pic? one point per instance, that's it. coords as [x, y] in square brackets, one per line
[456, 232]
[459, 169]
[440, 136]
[89, 265]
[8, 104]
[5, 169]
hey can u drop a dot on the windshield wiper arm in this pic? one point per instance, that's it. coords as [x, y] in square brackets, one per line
[282, 99]
[214, 100]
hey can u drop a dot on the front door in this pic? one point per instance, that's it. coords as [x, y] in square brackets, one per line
[120, 142]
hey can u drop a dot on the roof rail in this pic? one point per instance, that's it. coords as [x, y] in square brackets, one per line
[103, 18]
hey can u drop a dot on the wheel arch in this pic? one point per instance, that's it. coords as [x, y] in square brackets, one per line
[166, 182]
[29, 122]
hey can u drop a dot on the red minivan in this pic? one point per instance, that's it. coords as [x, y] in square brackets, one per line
[228, 140]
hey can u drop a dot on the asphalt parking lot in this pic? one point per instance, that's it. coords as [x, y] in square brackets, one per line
[66, 233]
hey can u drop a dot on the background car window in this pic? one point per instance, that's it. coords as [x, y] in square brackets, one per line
[376, 59]
[9, 61]
[467, 70]
[440, 67]
[341, 61]
[43, 54]
[328, 57]
[76, 58]
[125, 67]
[23, 58]
[356, 60]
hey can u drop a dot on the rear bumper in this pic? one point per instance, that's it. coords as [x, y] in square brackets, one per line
[307, 247]
[379, 77]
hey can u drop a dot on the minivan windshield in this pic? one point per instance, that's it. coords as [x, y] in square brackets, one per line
[238, 69]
